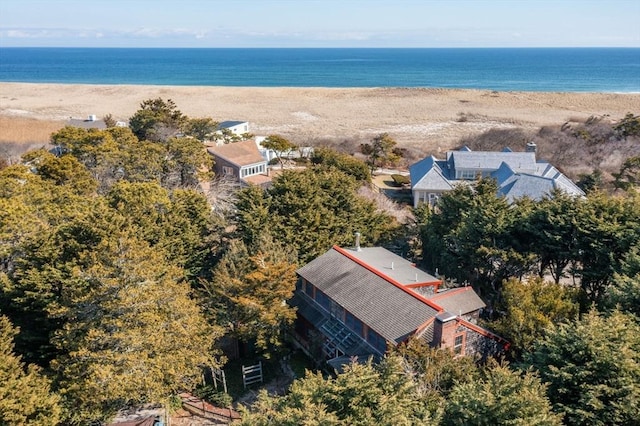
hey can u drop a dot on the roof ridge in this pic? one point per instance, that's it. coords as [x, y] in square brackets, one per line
[390, 280]
[451, 292]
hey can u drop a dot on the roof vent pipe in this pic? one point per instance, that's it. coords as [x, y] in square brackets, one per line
[358, 242]
[391, 265]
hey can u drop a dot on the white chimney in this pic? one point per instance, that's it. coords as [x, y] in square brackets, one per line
[358, 242]
[92, 117]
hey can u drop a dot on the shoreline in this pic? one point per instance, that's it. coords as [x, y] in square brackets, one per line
[424, 118]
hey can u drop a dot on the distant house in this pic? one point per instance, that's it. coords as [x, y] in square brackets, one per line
[235, 127]
[92, 122]
[355, 302]
[518, 174]
[241, 161]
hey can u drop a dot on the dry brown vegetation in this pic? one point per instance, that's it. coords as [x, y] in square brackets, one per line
[27, 130]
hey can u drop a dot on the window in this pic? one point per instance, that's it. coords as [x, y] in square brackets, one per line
[377, 341]
[354, 324]
[458, 344]
[466, 174]
[227, 171]
[323, 300]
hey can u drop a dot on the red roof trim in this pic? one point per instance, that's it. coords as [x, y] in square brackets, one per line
[388, 279]
[451, 293]
[425, 284]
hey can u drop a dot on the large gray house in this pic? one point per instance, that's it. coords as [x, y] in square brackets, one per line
[518, 174]
[356, 302]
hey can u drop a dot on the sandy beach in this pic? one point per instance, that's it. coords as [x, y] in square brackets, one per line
[431, 120]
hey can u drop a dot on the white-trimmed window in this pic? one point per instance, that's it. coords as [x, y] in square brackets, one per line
[458, 344]
[227, 171]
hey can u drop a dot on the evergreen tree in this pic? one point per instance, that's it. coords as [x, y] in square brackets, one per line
[249, 290]
[530, 308]
[500, 397]
[134, 337]
[25, 394]
[592, 367]
[310, 211]
[363, 394]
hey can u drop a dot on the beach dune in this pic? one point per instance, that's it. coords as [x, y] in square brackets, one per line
[429, 119]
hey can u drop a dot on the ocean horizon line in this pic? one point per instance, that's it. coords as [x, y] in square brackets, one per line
[590, 70]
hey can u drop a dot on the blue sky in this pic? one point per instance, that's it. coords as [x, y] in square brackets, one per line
[320, 23]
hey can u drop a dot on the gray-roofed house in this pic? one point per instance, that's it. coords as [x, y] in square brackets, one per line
[518, 174]
[356, 302]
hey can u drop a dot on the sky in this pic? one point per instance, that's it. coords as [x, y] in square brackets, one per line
[320, 23]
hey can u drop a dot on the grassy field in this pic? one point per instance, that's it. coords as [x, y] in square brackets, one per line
[27, 130]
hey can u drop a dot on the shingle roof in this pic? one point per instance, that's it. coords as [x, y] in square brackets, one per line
[518, 173]
[491, 160]
[390, 264]
[458, 301]
[242, 153]
[391, 311]
[228, 124]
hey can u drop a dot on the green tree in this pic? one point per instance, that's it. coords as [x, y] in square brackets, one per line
[157, 120]
[469, 237]
[592, 367]
[329, 158]
[380, 151]
[551, 230]
[624, 292]
[279, 145]
[608, 228]
[186, 163]
[310, 211]
[25, 394]
[64, 170]
[249, 290]
[500, 397]
[629, 175]
[530, 308]
[134, 337]
[628, 126]
[200, 128]
[363, 394]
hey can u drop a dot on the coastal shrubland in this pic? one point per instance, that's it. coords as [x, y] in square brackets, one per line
[119, 282]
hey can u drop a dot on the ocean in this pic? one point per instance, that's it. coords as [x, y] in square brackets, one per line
[503, 69]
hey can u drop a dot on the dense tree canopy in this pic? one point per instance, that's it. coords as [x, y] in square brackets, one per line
[248, 291]
[593, 369]
[530, 308]
[310, 211]
[135, 336]
[364, 394]
[501, 397]
[25, 395]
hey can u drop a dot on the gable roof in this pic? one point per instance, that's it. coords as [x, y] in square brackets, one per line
[462, 300]
[491, 160]
[385, 305]
[242, 153]
[518, 173]
[428, 174]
